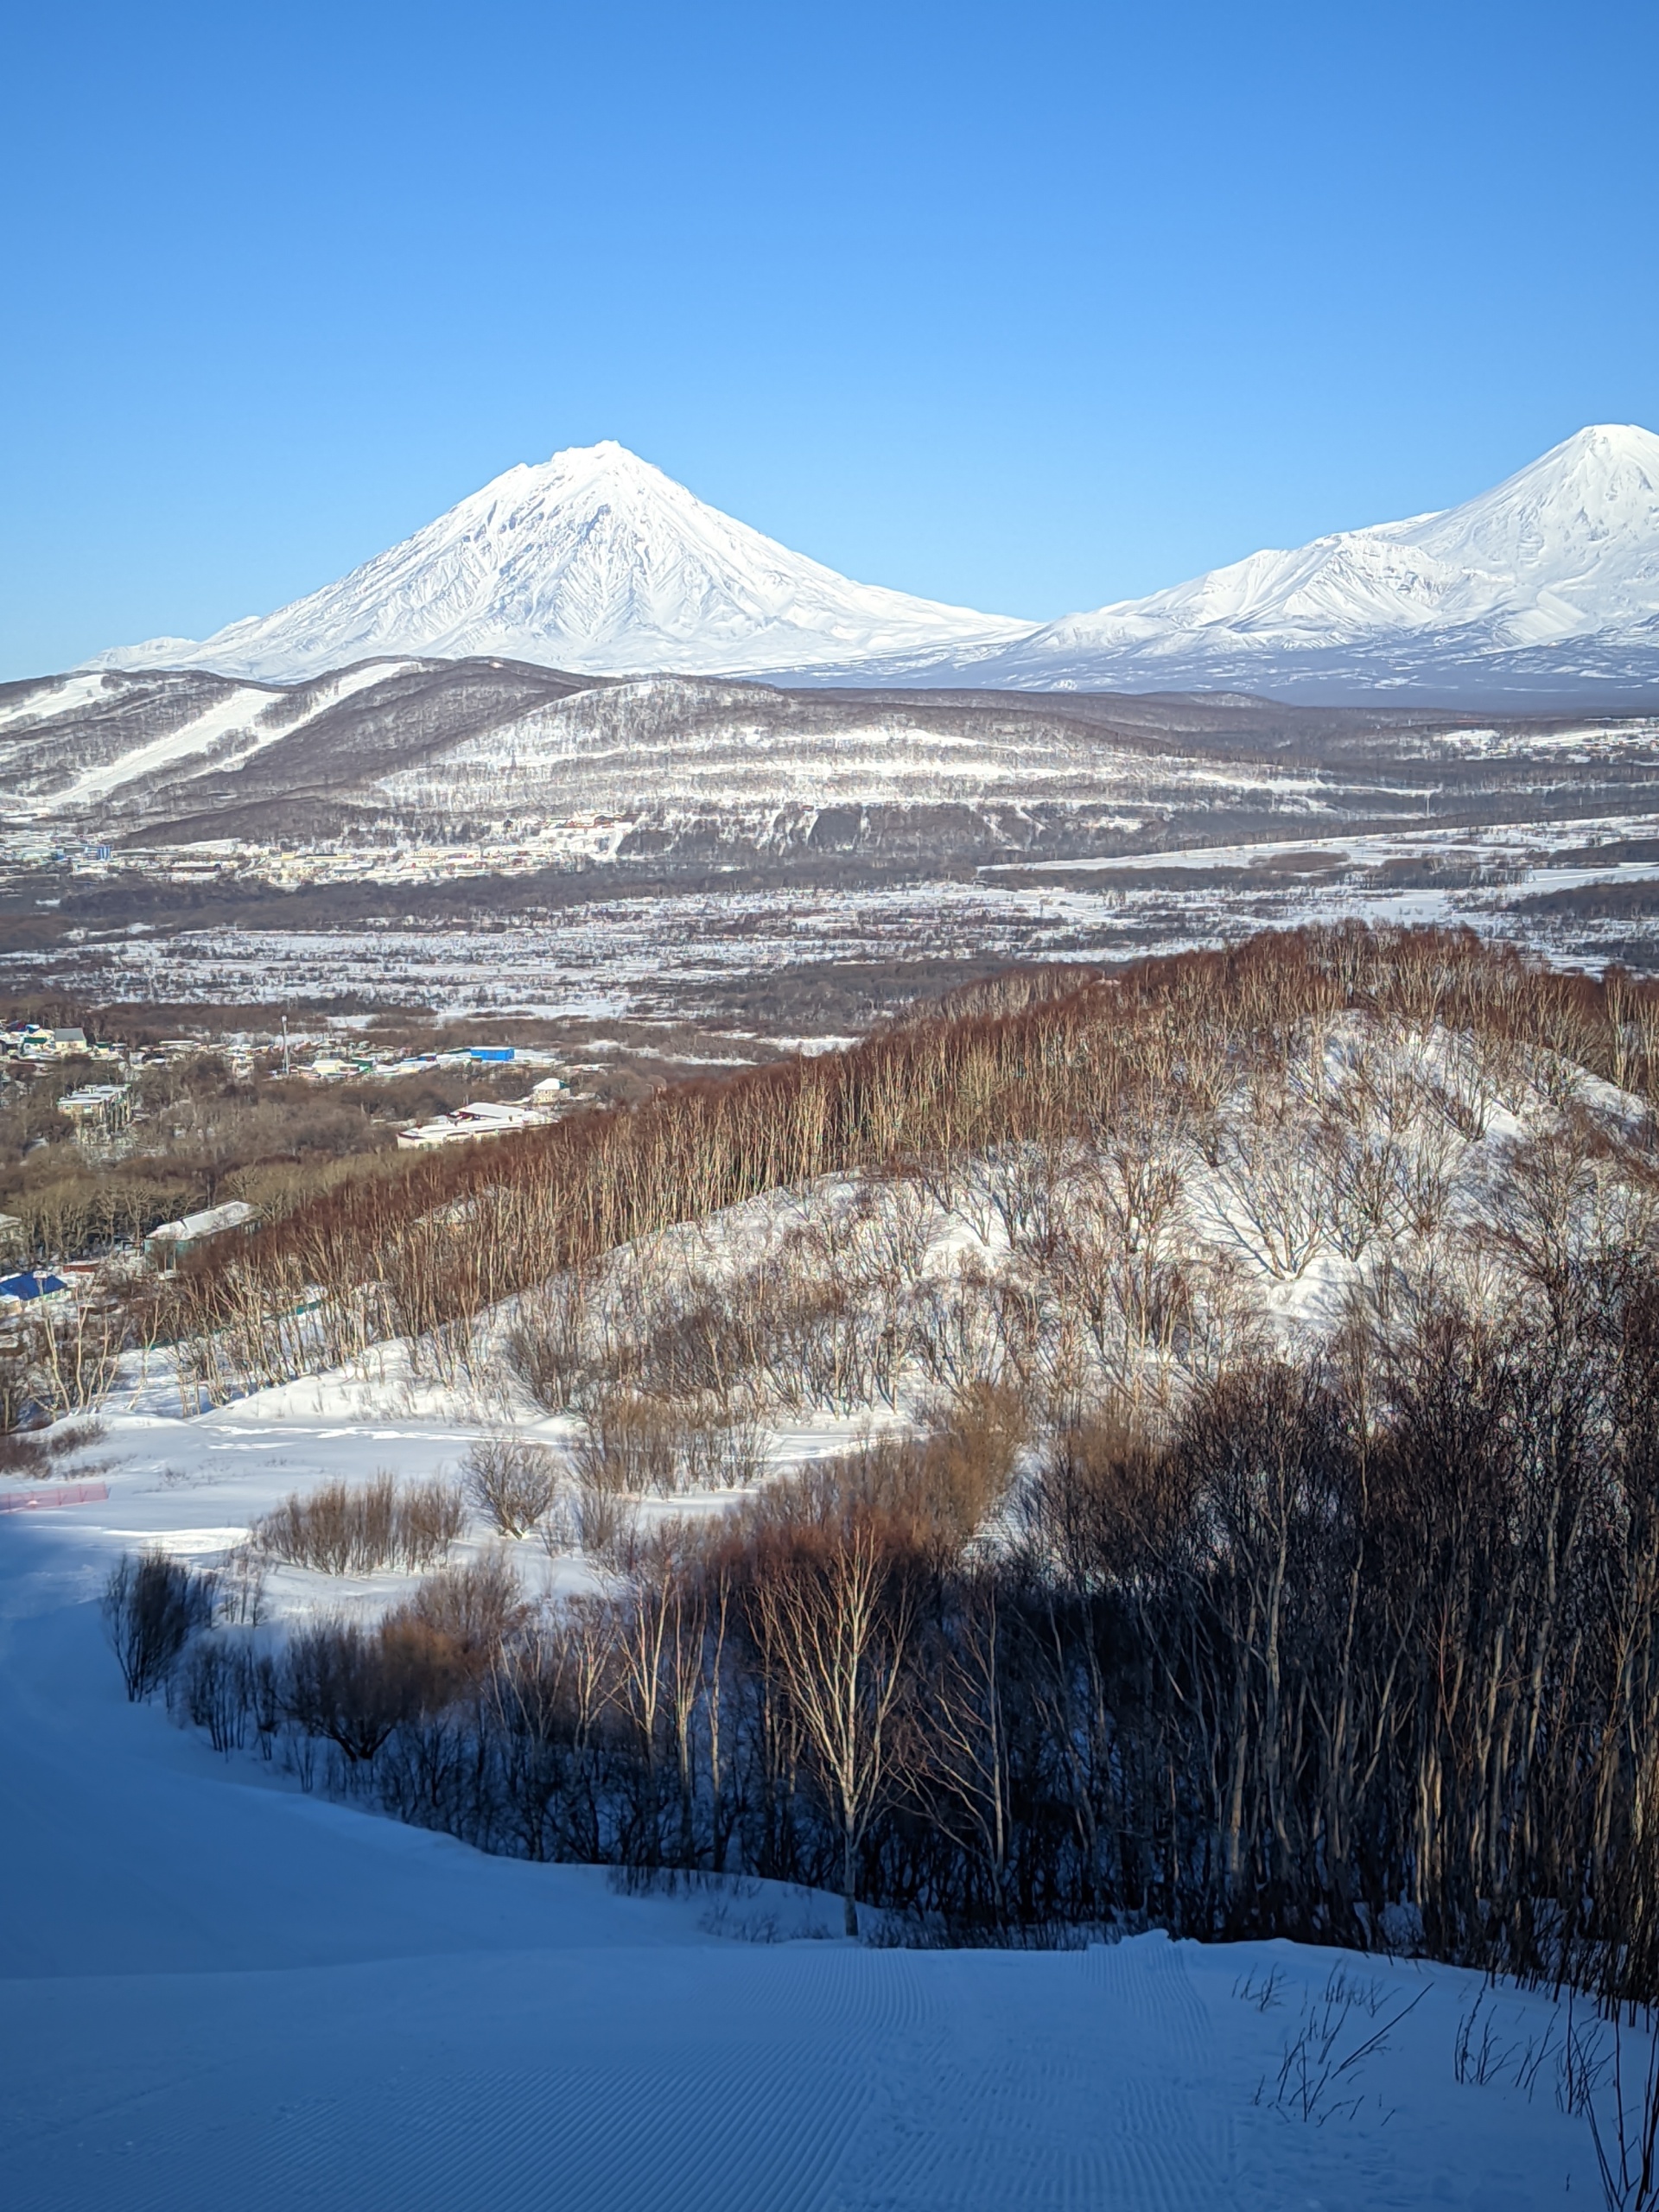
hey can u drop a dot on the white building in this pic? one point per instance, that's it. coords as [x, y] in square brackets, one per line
[484, 1117]
[166, 1246]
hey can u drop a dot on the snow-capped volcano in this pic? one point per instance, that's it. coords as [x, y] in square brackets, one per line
[596, 562]
[1563, 556]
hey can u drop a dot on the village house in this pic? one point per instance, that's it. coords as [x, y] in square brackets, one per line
[97, 1108]
[175, 1240]
[484, 1117]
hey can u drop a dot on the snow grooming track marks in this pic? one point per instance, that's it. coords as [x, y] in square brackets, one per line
[703, 2135]
[803, 2078]
[860, 1993]
[1147, 1981]
[1033, 2095]
[676, 2109]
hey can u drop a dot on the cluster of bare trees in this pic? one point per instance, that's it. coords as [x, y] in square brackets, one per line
[152, 1607]
[60, 1358]
[1361, 1646]
[1122, 1264]
[1130, 1144]
[342, 1527]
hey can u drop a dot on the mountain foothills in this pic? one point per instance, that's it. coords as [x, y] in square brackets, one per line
[596, 563]
[694, 770]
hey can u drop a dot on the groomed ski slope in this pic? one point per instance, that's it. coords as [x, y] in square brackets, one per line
[220, 1993]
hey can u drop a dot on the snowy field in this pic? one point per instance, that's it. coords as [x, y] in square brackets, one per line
[220, 1992]
[659, 958]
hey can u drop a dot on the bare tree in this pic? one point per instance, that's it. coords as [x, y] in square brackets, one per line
[152, 1606]
[962, 1764]
[836, 1626]
[512, 1480]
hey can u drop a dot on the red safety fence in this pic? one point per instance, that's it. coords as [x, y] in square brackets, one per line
[17, 1501]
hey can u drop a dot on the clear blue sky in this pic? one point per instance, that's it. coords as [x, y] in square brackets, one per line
[1029, 308]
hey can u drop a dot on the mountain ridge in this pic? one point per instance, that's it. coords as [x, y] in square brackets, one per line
[1565, 550]
[596, 562]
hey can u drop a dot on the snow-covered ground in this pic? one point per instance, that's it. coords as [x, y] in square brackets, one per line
[655, 957]
[220, 1992]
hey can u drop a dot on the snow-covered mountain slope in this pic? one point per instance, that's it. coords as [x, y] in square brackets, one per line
[1551, 578]
[420, 742]
[86, 740]
[652, 766]
[227, 1991]
[593, 561]
[597, 562]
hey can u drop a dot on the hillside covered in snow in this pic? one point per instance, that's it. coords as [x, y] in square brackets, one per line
[700, 766]
[1547, 582]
